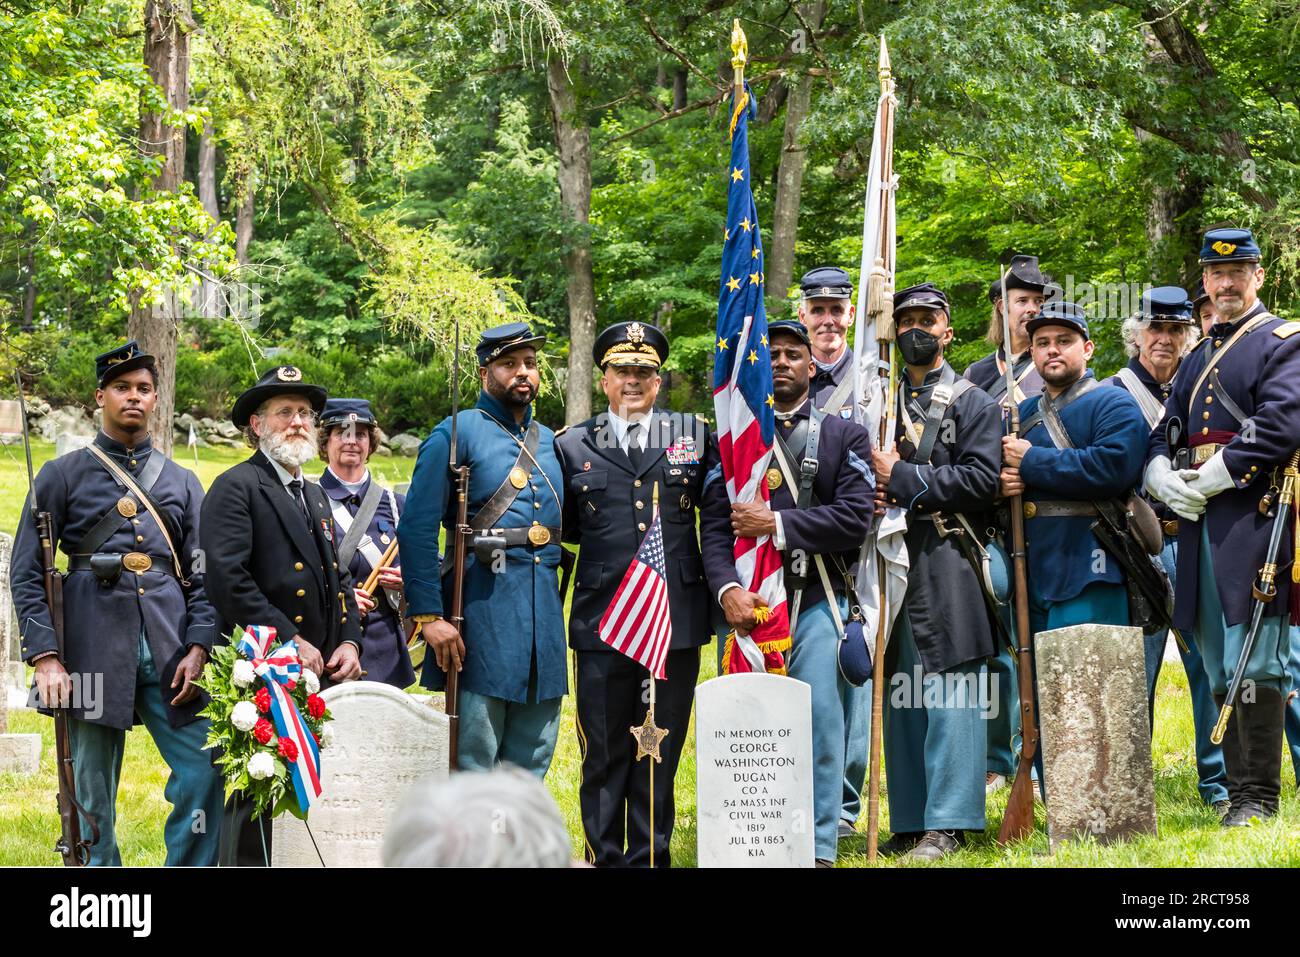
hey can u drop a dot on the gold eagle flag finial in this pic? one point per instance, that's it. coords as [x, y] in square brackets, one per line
[739, 50]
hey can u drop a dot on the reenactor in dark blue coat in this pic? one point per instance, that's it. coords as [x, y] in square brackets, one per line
[1237, 399]
[1157, 337]
[1098, 457]
[138, 626]
[1026, 291]
[512, 657]
[271, 550]
[819, 530]
[612, 464]
[1027, 288]
[826, 311]
[945, 474]
[365, 518]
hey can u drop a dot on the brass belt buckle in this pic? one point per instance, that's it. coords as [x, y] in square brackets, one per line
[1030, 509]
[1170, 527]
[539, 534]
[137, 562]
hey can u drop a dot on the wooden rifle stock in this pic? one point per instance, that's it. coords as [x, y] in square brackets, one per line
[460, 541]
[71, 846]
[1018, 820]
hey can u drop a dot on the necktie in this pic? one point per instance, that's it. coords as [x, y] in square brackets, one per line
[634, 452]
[296, 486]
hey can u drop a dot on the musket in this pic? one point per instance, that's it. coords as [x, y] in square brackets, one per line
[459, 543]
[1018, 820]
[71, 846]
[1263, 591]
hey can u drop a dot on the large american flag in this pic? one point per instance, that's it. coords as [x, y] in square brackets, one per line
[637, 622]
[743, 401]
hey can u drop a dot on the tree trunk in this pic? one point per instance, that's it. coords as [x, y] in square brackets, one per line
[212, 305]
[573, 141]
[29, 278]
[679, 88]
[167, 58]
[244, 220]
[785, 214]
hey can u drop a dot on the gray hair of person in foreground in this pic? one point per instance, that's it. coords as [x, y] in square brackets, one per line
[499, 818]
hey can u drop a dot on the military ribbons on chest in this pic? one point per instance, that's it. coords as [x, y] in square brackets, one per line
[280, 670]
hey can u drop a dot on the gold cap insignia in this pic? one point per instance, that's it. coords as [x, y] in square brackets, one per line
[1224, 249]
[636, 333]
[289, 374]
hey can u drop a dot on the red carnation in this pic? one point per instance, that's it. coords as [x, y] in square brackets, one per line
[315, 706]
[263, 700]
[288, 750]
[264, 731]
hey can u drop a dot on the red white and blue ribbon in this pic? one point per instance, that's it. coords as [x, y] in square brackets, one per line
[280, 671]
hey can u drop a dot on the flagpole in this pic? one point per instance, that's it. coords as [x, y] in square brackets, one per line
[880, 296]
[654, 514]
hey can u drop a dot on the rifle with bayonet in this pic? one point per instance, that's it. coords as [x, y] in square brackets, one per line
[1264, 590]
[71, 846]
[1018, 820]
[460, 536]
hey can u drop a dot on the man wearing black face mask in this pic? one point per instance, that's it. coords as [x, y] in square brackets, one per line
[945, 474]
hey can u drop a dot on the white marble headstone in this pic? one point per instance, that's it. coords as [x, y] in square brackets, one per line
[384, 741]
[754, 772]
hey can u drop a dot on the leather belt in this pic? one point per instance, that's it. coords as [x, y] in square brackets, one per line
[137, 562]
[537, 536]
[1169, 527]
[1202, 453]
[1059, 509]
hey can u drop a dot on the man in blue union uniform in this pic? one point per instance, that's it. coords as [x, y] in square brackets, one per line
[1026, 290]
[135, 611]
[612, 464]
[818, 519]
[512, 657]
[945, 474]
[1082, 443]
[1157, 338]
[366, 516]
[1238, 401]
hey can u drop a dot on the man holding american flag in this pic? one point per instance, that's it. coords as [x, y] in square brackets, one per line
[817, 532]
[640, 602]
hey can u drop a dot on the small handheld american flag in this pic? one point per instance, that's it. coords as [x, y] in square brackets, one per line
[637, 622]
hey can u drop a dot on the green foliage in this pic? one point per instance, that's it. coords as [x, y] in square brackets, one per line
[75, 190]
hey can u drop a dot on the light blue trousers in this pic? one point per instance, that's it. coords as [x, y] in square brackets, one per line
[1293, 704]
[494, 730]
[814, 659]
[857, 747]
[193, 788]
[1212, 777]
[935, 741]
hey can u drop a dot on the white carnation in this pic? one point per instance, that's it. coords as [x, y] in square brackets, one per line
[310, 680]
[261, 765]
[244, 715]
[243, 674]
[327, 734]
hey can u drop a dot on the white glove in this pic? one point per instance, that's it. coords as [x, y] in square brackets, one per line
[1172, 488]
[1212, 477]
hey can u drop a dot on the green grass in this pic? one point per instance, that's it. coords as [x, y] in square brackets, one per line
[1189, 832]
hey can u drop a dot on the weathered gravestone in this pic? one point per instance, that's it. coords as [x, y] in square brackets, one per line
[384, 741]
[1096, 736]
[753, 772]
[18, 752]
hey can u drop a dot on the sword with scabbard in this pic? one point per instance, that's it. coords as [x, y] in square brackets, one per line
[1264, 590]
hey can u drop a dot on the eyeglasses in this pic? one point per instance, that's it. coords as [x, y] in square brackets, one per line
[308, 416]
